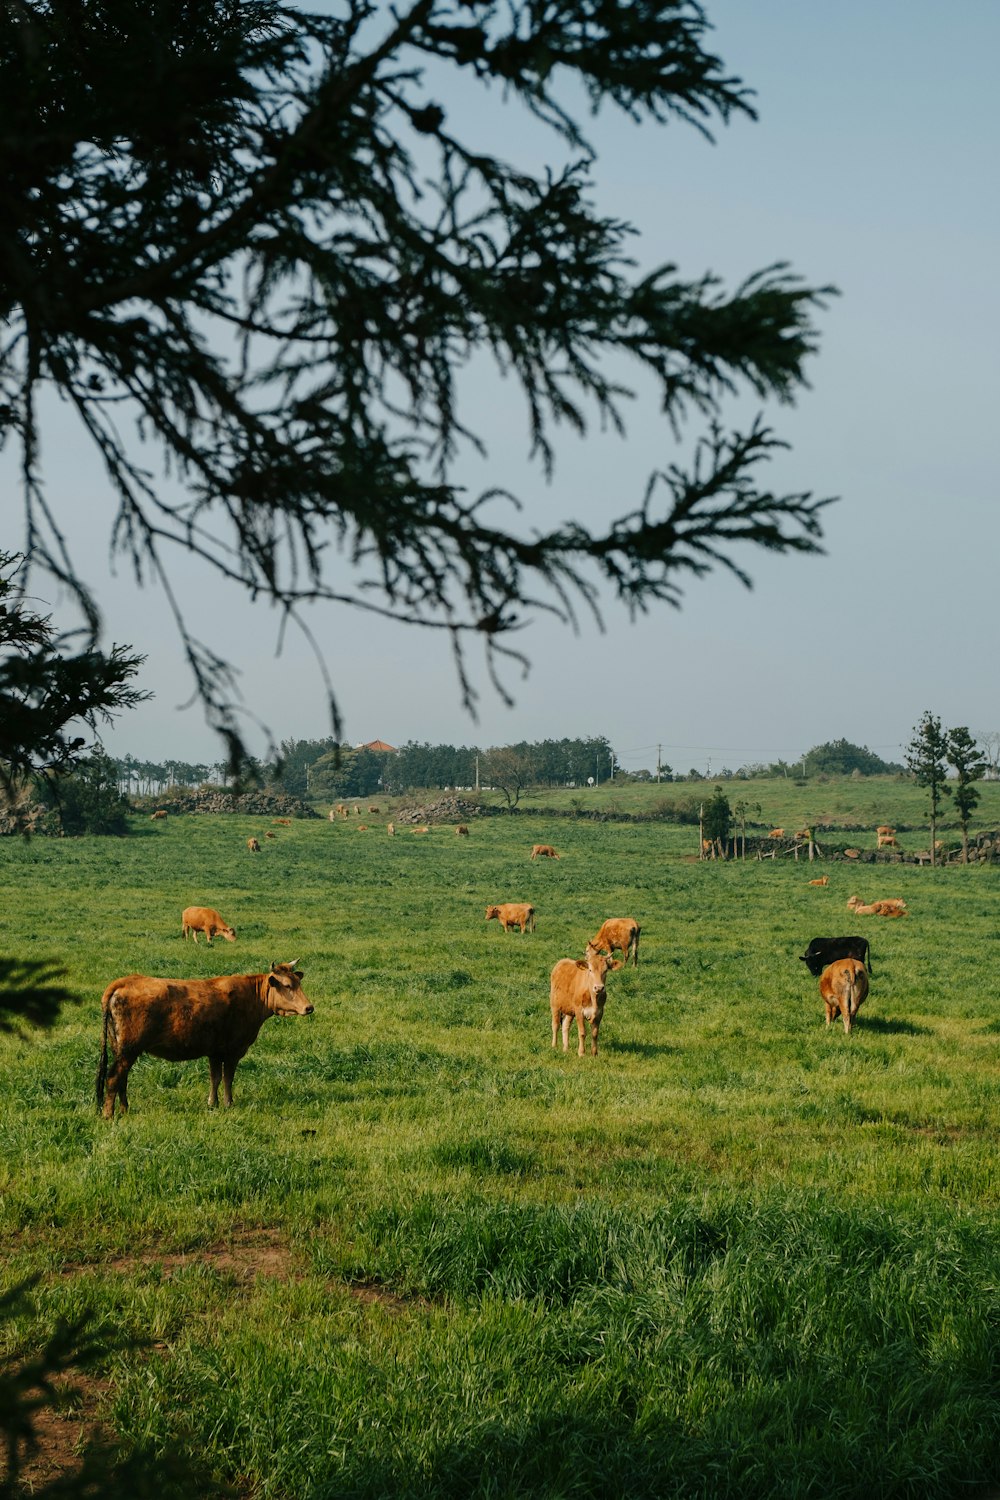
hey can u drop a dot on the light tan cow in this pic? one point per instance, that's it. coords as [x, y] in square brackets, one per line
[390, 829]
[181, 1019]
[253, 845]
[776, 833]
[160, 813]
[843, 986]
[823, 880]
[891, 906]
[543, 851]
[621, 933]
[513, 914]
[576, 990]
[424, 828]
[206, 919]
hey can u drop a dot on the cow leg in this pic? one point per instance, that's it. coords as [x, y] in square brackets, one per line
[117, 1087]
[565, 1032]
[579, 1028]
[594, 1028]
[215, 1073]
[228, 1071]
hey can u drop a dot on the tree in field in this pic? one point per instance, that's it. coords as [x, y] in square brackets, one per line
[841, 758]
[257, 241]
[970, 765]
[49, 690]
[927, 759]
[717, 821]
[511, 769]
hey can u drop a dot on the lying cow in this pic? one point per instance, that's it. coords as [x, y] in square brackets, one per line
[892, 906]
[206, 919]
[822, 951]
[181, 1019]
[577, 989]
[543, 851]
[513, 914]
[621, 933]
[843, 986]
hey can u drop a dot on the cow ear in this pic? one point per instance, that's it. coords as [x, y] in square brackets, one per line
[298, 973]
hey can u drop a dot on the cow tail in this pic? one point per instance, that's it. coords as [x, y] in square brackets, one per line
[871, 971]
[102, 1066]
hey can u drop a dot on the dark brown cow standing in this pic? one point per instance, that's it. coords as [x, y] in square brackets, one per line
[181, 1019]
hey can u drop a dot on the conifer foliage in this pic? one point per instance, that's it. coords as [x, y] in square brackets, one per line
[258, 239]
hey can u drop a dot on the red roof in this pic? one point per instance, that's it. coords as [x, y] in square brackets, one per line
[379, 745]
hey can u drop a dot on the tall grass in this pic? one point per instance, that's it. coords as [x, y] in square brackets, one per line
[738, 1253]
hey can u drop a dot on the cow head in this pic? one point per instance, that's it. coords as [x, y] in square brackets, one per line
[229, 933]
[491, 912]
[285, 996]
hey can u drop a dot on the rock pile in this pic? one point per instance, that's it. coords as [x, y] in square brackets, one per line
[447, 810]
[256, 804]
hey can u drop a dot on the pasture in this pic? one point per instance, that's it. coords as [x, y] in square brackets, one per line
[738, 1254]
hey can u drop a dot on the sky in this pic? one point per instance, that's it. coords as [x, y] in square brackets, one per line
[872, 167]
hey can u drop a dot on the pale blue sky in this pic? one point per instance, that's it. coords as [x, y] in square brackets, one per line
[873, 166]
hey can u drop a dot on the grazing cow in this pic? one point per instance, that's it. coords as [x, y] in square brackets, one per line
[577, 989]
[253, 845]
[843, 986]
[206, 919]
[513, 914]
[621, 933]
[331, 815]
[357, 810]
[462, 831]
[776, 833]
[887, 841]
[543, 851]
[884, 828]
[823, 951]
[823, 880]
[181, 1019]
[160, 813]
[390, 829]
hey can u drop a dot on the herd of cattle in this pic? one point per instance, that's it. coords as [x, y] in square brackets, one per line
[220, 1018]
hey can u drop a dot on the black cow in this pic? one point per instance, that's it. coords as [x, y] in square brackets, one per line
[823, 951]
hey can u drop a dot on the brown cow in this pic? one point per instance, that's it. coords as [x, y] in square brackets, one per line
[390, 829]
[270, 834]
[823, 880]
[181, 1019]
[373, 809]
[284, 822]
[621, 933]
[160, 813]
[843, 986]
[424, 828]
[776, 833]
[513, 914]
[206, 919]
[253, 845]
[543, 851]
[462, 831]
[577, 989]
[892, 906]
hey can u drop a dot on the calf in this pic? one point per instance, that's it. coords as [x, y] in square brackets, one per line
[621, 933]
[181, 1019]
[206, 919]
[543, 851]
[843, 986]
[576, 988]
[513, 914]
[822, 951]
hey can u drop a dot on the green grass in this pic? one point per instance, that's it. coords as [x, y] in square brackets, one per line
[737, 1254]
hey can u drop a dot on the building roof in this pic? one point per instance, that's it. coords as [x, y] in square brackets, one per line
[378, 746]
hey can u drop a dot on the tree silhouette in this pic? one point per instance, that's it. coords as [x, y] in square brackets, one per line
[254, 237]
[926, 757]
[970, 765]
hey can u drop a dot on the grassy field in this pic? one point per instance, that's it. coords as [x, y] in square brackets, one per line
[737, 1254]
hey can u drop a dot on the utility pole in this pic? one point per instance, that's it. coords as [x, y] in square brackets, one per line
[477, 770]
[659, 760]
